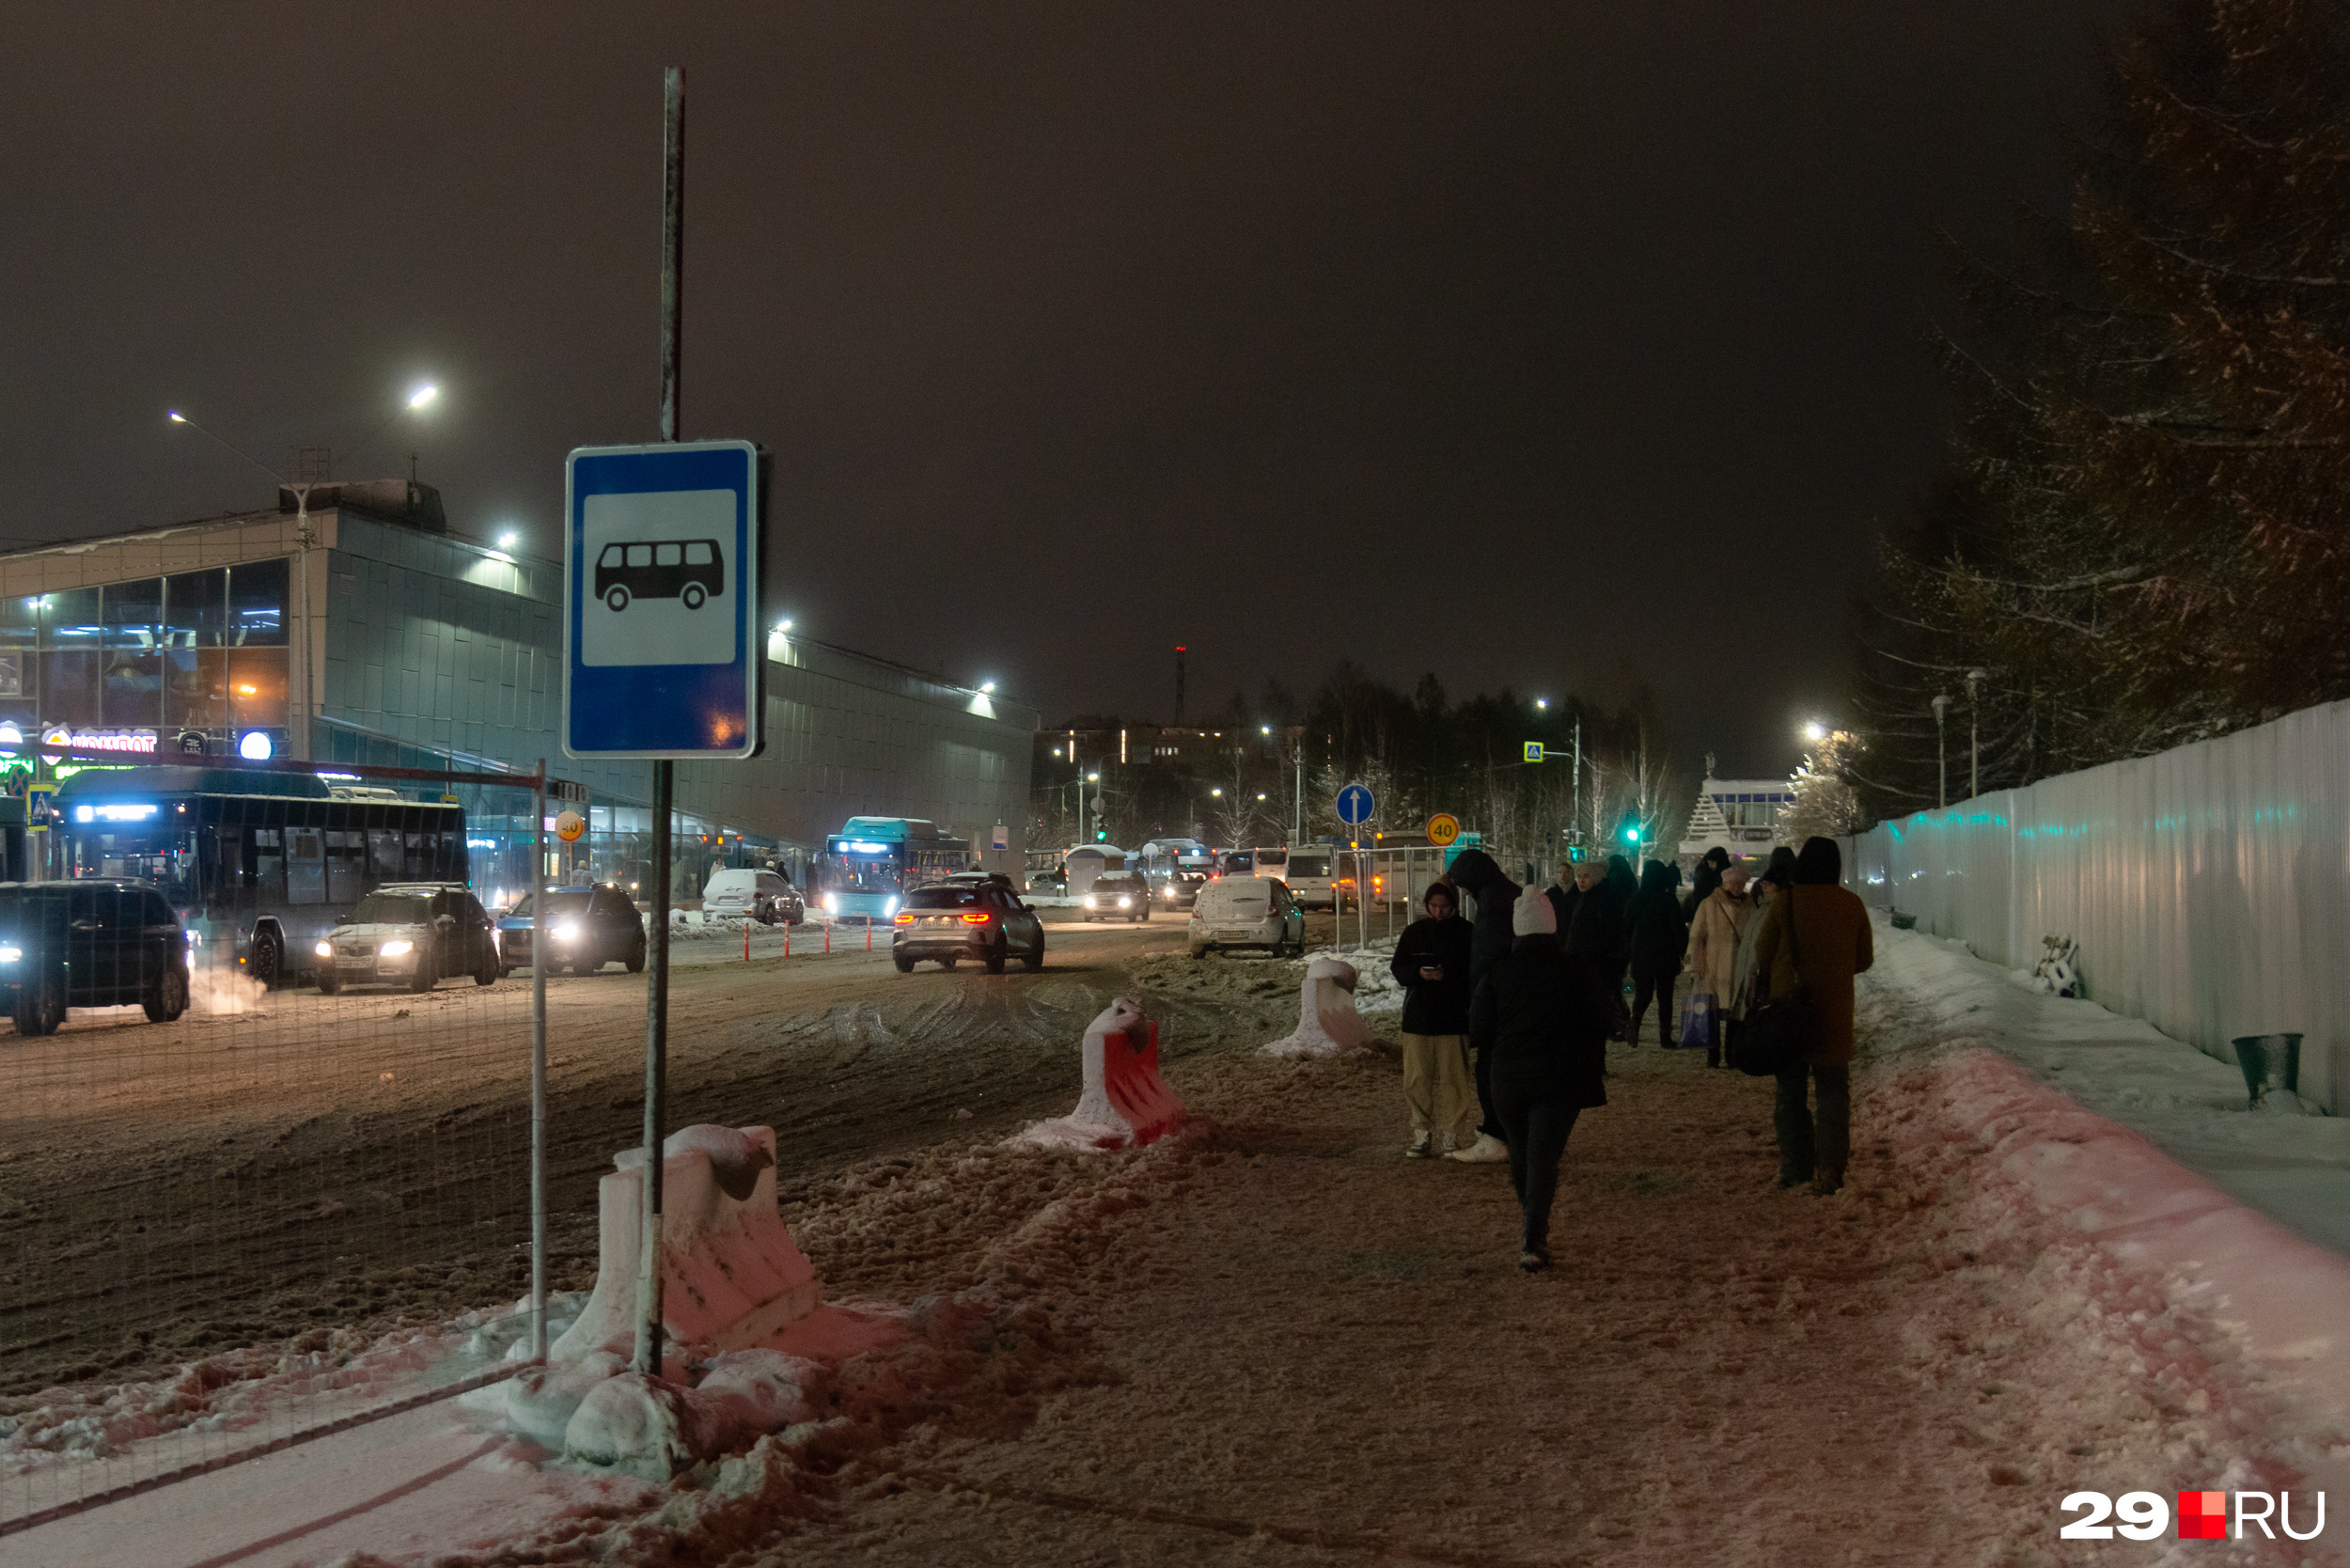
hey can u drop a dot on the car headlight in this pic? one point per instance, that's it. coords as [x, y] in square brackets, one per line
[1088, 900]
[10, 955]
[1126, 903]
[396, 947]
[566, 931]
[325, 949]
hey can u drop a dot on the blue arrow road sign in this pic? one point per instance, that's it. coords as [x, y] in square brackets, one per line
[1356, 805]
[661, 590]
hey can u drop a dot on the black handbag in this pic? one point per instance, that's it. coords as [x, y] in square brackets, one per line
[1778, 1031]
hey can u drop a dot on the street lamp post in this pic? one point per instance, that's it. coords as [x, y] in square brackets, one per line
[1941, 751]
[1975, 678]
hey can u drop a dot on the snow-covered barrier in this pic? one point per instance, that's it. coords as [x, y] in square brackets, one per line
[1327, 1024]
[731, 1273]
[1124, 1104]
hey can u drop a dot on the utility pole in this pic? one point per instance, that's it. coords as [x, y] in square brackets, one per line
[1577, 817]
[1975, 678]
[648, 1357]
[1298, 822]
[1941, 750]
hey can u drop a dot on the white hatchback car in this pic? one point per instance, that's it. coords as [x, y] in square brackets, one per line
[1247, 912]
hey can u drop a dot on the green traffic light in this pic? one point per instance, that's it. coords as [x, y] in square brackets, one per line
[1631, 835]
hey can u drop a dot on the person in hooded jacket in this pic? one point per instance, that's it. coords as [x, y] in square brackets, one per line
[1431, 963]
[1476, 874]
[1816, 934]
[1657, 937]
[1540, 1016]
[1709, 876]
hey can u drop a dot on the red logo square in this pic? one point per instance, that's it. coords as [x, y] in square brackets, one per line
[2202, 1515]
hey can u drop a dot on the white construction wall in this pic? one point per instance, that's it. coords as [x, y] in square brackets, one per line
[2209, 887]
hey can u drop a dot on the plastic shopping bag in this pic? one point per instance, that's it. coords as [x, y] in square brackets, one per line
[1697, 1020]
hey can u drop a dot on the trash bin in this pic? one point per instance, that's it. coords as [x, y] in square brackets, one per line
[2269, 1061]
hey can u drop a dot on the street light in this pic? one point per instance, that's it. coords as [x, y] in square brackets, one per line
[1816, 731]
[987, 688]
[1541, 702]
[1941, 750]
[1975, 678]
[423, 395]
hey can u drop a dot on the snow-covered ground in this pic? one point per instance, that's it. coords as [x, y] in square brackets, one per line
[1285, 1344]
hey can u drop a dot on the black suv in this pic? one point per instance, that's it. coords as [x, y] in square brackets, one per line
[586, 928]
[89, 944]
[1120, 895]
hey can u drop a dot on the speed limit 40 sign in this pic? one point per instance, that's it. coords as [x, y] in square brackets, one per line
[1443, 828]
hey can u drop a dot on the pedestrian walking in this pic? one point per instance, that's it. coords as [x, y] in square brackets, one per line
[1622, 884]
[1816, 936]
[1431, 963]
[1563, 896]
[1598, 934]
[1657, 938]
[1721, 921]
[1474, 872]
[1540, 1016]
[1709, 876]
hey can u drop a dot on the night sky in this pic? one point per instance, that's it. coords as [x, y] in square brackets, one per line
[1539, 345]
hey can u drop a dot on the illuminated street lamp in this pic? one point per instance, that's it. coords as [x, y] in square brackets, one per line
[1816, 731]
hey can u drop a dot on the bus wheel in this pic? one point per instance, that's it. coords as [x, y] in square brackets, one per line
[268, 960]
[39, 1009]
[693, 595]
[616, 597]
[169, 998]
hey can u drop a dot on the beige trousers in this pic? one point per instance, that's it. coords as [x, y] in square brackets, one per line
[1438, 1084]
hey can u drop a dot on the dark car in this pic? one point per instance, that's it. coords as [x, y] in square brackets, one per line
[586, 928]
[1120, 895]
[1178, 889]
[963, 919]
[89, 944]
[410, 934]
[689, 571]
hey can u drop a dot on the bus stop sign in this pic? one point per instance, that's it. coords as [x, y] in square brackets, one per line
[661, 587]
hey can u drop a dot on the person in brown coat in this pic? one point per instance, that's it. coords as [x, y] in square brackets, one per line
[1831, 932]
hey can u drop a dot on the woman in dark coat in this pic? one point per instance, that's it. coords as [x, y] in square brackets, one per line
[1431, 963]
[1659, 935]
[1475, 873]
[1540, 1016]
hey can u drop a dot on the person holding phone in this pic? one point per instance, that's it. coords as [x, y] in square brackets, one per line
[1431, 963]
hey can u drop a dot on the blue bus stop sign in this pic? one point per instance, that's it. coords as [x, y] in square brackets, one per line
[660, 588]
[1356, 805]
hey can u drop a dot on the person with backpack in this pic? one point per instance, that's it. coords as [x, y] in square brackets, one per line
[1816, 936]
[1540, 1018]
[1431, 963]
[1655, 938]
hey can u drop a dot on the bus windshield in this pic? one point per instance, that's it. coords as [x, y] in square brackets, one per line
[864, 873]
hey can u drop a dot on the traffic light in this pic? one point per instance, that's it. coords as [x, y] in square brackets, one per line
[1100, 835]
[1632, 834]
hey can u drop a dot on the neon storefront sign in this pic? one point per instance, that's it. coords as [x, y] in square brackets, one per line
[137, 740]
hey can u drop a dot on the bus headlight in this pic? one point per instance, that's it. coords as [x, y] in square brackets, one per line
[10, 955]
[396, 947]
[890, 908]
[832, 903]
[325, 949]
[565, 931]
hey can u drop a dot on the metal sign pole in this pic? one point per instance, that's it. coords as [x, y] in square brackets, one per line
[648, 1357]
[538, 1066]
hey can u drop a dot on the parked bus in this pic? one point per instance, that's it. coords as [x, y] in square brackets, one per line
[261, 866]
[875, 862]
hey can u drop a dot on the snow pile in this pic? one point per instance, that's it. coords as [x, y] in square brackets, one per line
[1376, 989]
[1124, 1104]
[1327, 1025]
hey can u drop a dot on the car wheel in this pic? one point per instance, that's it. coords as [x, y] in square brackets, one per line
[169, 998]
[1198, 950]
[268, 963]
[487, 974]
[1035, 959]
[693, 595]
[636, 960]
[616, 597]
[904, 962]
[427, 974]
[997, 954]
[329, 981]
[39, 1009]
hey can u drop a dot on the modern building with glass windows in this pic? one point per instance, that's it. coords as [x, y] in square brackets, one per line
[360, 630]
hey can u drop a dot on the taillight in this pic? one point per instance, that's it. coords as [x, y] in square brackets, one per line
[972, 919]
[905, 919]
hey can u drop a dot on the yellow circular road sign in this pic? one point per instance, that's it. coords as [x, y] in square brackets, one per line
[569, 826]
[1443, 828]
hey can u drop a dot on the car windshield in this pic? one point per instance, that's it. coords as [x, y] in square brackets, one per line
[942, 898]
[562, 901]
[393, 909]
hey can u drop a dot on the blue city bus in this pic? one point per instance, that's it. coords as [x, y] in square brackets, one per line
[875, 862]
[259, 865]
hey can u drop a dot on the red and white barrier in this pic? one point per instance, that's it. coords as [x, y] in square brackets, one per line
[1327, 1024]
[1124, 1104]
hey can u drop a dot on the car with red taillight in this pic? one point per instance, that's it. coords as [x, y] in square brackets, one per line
[980, 920]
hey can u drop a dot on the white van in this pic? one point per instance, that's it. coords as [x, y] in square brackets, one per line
[1313, 878]
[1247, 912]
[744, 893]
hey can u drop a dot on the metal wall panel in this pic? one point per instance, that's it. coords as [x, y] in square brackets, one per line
[2208, 886]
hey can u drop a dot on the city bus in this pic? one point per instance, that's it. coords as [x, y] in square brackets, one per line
[261, 866]
[873, 862]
